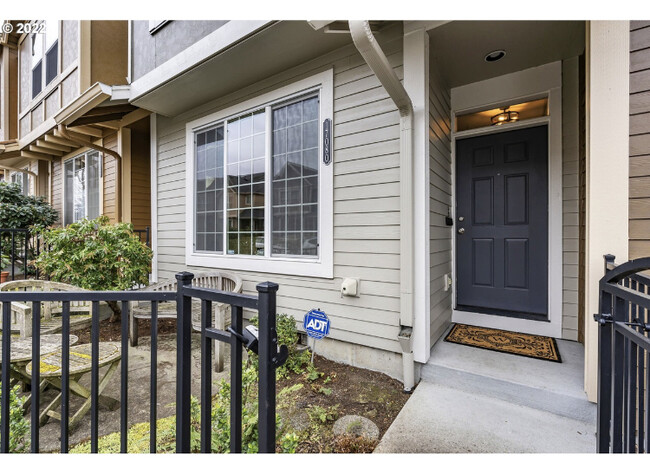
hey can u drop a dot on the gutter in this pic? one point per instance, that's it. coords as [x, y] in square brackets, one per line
[367, 45]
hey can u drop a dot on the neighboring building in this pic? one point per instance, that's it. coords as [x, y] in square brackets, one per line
[76, 139]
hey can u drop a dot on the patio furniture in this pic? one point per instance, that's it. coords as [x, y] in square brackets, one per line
[221, 312]
[21, 355]
[21, 312]
[80, 364]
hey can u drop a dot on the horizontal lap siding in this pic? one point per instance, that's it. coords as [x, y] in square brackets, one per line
[439, 203]
[366, 200]
[570, 198]
[57, 190]
[639, 221]
[110, 173]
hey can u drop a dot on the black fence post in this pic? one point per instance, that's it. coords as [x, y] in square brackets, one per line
[268, 341]
[183, 361]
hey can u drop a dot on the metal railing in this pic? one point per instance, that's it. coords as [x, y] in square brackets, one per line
[19, 247]
[624, 358]
[144, 233]
[269, 360]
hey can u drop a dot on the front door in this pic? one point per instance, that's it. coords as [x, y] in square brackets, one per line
[502, 223]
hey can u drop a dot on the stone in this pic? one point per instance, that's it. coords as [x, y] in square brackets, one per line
[356, 425]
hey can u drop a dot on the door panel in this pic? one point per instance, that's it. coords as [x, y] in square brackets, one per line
[502, 208]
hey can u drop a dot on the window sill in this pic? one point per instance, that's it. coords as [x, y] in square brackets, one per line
[267, 265]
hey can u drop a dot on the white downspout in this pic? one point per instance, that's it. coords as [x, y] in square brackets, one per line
[373, 55]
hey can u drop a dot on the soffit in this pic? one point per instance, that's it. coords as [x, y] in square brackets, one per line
[268, 52]
[457, 49]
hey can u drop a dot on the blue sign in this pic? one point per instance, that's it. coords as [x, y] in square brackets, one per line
[316, 324]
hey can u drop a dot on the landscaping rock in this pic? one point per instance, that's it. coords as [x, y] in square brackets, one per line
[356, 425]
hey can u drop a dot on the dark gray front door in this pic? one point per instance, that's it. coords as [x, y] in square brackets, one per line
[502, 223]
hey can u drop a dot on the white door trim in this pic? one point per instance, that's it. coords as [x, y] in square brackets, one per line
[524, 85]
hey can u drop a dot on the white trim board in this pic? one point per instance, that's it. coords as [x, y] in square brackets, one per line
[323, 266]
[524, 85]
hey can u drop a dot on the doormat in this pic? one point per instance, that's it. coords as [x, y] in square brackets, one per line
[532, 346]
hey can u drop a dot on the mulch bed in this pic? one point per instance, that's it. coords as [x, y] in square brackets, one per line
[112, 331]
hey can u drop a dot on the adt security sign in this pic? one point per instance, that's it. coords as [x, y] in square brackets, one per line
[316, 324]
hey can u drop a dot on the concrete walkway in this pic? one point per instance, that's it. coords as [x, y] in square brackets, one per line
[472, 400]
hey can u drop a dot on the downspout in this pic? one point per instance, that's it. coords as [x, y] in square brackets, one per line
[73, 137]
[373, 55]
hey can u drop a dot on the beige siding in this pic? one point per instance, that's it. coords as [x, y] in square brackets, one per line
[639, 243]
[110, 173]
[57, 189]
[140, 180]
[440, 203]
[570, 196]
[366, 199]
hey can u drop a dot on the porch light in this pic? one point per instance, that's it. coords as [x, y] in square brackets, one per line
[505, 116]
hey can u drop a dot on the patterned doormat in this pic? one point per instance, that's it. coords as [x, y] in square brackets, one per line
[532, 346]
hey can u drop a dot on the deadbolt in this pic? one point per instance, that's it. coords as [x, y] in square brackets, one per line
[461, 230]
[461, 218]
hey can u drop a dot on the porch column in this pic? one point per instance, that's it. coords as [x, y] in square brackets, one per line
[416, 83]
[607, 168]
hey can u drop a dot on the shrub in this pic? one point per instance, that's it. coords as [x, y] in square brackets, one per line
[287, 335]
[18, 425]
[96, 255]
[19, 211]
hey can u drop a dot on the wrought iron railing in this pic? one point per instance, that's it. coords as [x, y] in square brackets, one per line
[266, 344]
[623, 358]
[18, 246]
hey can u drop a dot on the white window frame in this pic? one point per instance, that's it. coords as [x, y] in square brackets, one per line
[64, 188]
[25, 181]
[323, 265]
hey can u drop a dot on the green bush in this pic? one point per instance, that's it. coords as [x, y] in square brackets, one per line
[20, 212]
[95, 255]
[287, 335]
[18, 425]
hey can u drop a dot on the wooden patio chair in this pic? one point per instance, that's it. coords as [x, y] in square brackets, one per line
[51, 322]
[221, 312]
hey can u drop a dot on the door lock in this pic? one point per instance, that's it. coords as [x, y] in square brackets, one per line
[461, 230]
[461, 218]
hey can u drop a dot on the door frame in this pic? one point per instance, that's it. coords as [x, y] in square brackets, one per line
[521, 86]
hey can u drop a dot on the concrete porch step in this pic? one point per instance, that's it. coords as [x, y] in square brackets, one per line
[546, 386]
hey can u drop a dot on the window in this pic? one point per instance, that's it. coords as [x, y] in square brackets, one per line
[22, 178]
[45, 56]
[258, 191]
[81, 188]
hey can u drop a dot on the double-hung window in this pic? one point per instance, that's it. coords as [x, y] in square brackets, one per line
[22, 179]
[45, 55]
[81, 187]
[259, 185]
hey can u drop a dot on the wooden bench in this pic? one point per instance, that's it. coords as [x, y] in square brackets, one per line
[51, 322]
[220, 311]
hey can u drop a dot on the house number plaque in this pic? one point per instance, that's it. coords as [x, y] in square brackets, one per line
[327, 142]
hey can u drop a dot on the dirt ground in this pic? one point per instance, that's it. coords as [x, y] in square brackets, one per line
[332, 391]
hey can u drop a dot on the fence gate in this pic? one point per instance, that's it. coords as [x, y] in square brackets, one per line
[264, 343]
[623, 357]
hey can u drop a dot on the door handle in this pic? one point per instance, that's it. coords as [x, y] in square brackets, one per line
[461, 230]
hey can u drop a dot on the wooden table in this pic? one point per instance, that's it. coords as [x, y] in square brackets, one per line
[80, 364]
[21, 355]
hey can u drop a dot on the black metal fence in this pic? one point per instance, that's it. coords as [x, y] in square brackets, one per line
[236, 336]
[18, 247]
[623, 358]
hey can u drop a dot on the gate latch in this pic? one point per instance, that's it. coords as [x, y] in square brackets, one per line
[603, 318]
[249, 338]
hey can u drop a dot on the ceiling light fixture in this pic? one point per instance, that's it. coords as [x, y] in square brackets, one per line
[505, 116]
[495, 55]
